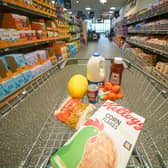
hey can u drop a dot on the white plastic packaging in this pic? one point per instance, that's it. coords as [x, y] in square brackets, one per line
[96, 69]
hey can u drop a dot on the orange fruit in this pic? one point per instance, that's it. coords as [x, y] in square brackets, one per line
[120, 95]
[116, 88]
[108, 86]
[112, 96]
[102, 89]
[105, 97]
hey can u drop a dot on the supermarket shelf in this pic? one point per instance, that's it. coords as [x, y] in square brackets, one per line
[24, 9]
[148, 31]
[70, 40]
[146, 67]
[28, 87]
[147, 46]
[148, 15]
[31, 44]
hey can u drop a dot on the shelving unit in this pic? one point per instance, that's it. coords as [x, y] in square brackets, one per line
[157, 49]
[155, 12]
[16, 96]
[52, 34]
[31, 44]
[145, 66]
[25, 9]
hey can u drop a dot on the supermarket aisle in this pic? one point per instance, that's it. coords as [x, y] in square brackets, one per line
[103, 46]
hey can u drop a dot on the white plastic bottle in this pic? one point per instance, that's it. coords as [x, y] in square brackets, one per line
[96, 69]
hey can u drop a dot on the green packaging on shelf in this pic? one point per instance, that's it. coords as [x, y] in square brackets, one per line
[15, 60]
[9, 85]
[107, 139]
[27, 75]
[2, 92]
[19, 80]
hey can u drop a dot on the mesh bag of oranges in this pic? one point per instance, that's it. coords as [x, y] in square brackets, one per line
[110, 92]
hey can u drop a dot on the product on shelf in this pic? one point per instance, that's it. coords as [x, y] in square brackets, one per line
[15, 21]
[15, 61]
[162, 67]
[146, 57]
[2, 92]
[9, 85]
[60, 50]
[19, 80]
[3, 69]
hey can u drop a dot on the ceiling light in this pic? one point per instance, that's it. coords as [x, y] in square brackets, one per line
[53, 2]
[65, 9]
[103, 1]
[77, 1]
[112, 8]
[111, 11]
[70, 12]
[88, 8]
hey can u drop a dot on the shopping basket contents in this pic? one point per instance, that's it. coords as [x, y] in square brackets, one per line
[105, 140]
[77, 86]
[110, 92]
[116, 71]
[74, 113]
[96, 69]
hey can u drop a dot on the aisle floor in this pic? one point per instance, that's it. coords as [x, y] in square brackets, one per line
[105, 47]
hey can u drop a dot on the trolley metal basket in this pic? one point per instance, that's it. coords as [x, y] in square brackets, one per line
[29, 133]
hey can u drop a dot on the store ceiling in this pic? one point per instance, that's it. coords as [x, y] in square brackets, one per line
[96, 6]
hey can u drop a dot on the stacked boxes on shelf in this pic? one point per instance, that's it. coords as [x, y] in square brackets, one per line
[73, 47]
[40, 6]
[18, 69]
[60, 50]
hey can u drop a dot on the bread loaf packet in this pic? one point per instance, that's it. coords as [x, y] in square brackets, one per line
[74, 113]
[106, 140]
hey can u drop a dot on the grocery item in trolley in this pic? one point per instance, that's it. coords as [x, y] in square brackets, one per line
[74, 113]
[106, 140]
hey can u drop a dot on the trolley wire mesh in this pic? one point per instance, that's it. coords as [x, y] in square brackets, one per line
[31, 134]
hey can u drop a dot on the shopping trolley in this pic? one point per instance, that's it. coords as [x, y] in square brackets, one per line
[30, 133]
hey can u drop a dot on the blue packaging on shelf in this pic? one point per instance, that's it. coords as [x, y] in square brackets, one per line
[19, 80]
[9, 85]
[27, 75]
[19, 59]
[2, 92]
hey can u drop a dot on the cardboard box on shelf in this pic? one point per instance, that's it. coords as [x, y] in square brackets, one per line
[160, 66]
[31, 58]
[36, 71]
[15, 21]
[3, 70]
[9, 85]
[165, 71]
[19, 80]
[50, 52]
[2, 92]
[42, 54]
[15, 61]
[27, 75]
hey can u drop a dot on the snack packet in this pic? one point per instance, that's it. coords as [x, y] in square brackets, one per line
[74, 113]
[106, 140]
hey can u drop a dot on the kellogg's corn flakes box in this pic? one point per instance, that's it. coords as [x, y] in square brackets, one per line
[106, 140]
